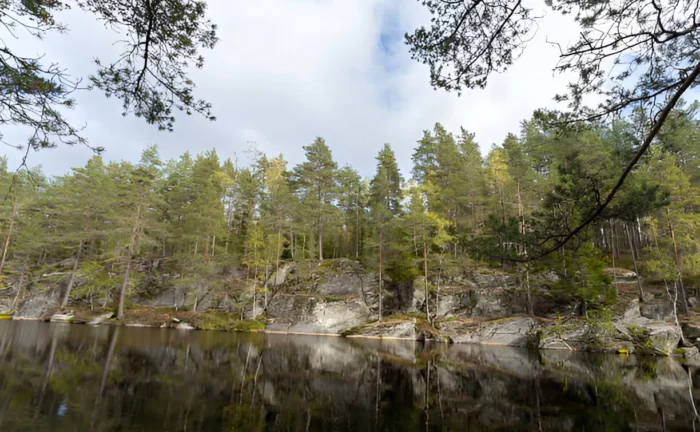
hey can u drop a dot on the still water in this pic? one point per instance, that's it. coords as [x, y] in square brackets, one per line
[61, 377]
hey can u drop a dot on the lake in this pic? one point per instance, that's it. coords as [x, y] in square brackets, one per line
[62, 377]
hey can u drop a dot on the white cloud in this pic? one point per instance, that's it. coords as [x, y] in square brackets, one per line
[286, 71]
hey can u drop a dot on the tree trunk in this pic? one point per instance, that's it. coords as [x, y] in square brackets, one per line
[255, 291]
[634, 260]
[20, 284]
[357, 231]
[7, 238]
[91, 248]
[122, 292]
[612, 254]
[521, 218]
[425, 275]
[676, 258]
[125, 281]
[528, 296]
[320, 231]
[279, 246]
[69, 288]
[381, 264]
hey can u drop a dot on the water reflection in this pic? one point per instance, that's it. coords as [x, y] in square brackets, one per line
[78, 378]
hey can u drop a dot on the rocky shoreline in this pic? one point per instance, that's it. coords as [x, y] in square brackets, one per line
[340, 298]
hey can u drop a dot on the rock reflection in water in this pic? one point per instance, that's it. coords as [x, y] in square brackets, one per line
[62, 377]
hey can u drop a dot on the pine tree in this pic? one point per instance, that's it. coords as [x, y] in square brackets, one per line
[316, 180]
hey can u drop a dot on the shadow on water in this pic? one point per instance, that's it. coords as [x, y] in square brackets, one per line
[59, 377]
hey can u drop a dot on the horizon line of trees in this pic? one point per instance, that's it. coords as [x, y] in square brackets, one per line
[199, 217]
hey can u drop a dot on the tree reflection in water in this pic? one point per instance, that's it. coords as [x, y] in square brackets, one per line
[70, 377]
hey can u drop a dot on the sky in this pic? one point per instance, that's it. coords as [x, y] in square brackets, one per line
[287, 71]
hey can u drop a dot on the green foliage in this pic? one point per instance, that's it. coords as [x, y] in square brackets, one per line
[161, 42]
[402, 269]
[584, 276]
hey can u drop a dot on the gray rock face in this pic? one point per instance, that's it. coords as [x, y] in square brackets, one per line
[489, 279]
[660, 310]
[691, 331]
[401, 330]
[621, 274]
[310, 314]
[39, 305]
[279, 278]
[516, 332]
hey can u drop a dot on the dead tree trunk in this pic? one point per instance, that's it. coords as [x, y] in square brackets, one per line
[71, 280]
[676, 259]
[634, 260]
[9, 235]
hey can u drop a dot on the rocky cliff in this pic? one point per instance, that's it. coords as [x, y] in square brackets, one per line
[486, 307]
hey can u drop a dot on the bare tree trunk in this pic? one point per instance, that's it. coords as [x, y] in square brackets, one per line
[673, 298]
[676, 258]
[91, 248]
[125, 281]
[634, 260]
[381, 265]
[530, 309]
[320, 231]
[357, 230]
[7, 238]
[20, 284]
[612, 254]
[292, 244]
[69, 288]
[265, 286]
[122, 292]
[521, 218]
[425, 274]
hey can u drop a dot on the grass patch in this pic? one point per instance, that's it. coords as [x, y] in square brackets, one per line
[223, 321]
[354, 330]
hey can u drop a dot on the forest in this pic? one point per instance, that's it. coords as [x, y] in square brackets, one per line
[121, 226]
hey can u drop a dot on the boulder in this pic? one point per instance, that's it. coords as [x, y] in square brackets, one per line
[691, 331]
[565, 338]
[658, 309]
[100, 318]
[388, 330]
[184, 326]
[61, 318]
[651, 336]
[38, 305]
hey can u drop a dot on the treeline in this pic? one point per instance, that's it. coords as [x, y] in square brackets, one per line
[198, 217]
